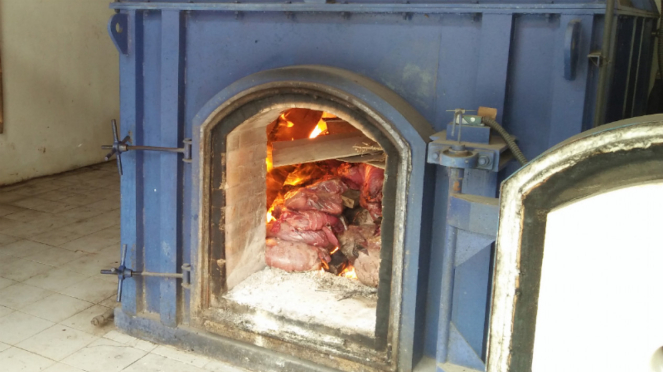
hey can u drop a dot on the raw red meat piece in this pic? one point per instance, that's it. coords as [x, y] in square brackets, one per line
[374, 209]
[352, 175]
[332, 185]
[333, 241]
[367, 264]
[283, 230]
[355, 239]
[305, 199]
[323, 196]
[311, 220]
[369, 180]
[371, 189]
[361, 245]
[291, 256]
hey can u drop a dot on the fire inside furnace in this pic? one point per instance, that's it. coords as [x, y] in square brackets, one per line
[324, 197]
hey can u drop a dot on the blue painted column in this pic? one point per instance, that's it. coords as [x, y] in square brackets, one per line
[494, 49]
[492, 77]
[170, 195]
[131, 122]
[448, 260]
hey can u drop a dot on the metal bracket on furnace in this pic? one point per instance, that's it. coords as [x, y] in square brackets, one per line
[124, 272]
[118, 147]
[478, 149]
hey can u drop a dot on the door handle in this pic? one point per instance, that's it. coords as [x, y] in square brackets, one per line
[571, 41]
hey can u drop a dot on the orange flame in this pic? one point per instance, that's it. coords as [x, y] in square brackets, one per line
[333, 251]
[268, 158]
[319, 129]
[349, 272]
[269, 213]
[288, 124]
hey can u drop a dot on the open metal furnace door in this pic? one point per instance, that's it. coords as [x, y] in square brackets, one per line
[579, 253]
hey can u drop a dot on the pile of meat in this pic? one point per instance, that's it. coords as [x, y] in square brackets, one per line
[330, 223]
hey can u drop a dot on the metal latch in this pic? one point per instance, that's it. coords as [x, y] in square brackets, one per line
[118, 147]
[123, 272]
[596, 57]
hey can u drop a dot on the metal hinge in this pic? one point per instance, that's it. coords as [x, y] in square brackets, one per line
[118, 147]
[596, 58]
[123, 272]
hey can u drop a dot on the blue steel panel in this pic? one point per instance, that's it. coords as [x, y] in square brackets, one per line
[457, 67]
[470, 244]
[379, 7]
[494, 49]
[568, 96]
[596, 40]
[471, 289]
[435, 278]
[170, 196]
[527, 111]
[461, 354]
[189, 228]
[151, 130]
[131, 116]
[402, 58]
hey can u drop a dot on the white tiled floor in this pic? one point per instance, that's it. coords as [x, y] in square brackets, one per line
[56, 233]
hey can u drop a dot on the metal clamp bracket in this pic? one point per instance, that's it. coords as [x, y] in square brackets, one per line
[491, 156]
[118, 147]
[117, 29]
[124, 272]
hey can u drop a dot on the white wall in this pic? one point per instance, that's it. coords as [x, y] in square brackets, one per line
[60, 84]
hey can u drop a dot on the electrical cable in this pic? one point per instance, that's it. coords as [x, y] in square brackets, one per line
[492, 124]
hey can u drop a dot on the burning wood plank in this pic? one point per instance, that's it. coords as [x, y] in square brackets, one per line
[376, 159]
[333, 146]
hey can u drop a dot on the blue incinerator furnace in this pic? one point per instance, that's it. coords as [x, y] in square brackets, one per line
[551, 69]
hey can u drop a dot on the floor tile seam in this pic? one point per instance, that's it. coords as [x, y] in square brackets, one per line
[37, 262]
[21, 282]
[32, 352]
[64, 289]
[53, 292]
[64, 174]
[105, 227]
[36, 197]
[62, 294]
[64, 357]
[84, 218]
[83, 236]
[50, 245]
[17, 190]
[55, 246]
[137, 360]
[56, 291]
[20, 310]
